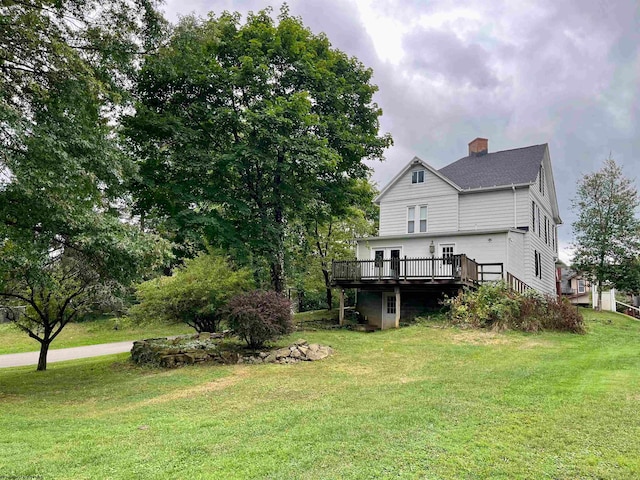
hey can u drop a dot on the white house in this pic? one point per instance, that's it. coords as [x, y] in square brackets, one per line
[484, 217]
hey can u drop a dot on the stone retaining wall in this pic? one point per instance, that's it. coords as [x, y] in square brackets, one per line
[207, 347]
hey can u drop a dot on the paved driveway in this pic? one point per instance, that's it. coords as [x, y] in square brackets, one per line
[62, 354]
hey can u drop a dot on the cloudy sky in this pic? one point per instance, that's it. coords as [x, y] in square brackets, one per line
[566, 73]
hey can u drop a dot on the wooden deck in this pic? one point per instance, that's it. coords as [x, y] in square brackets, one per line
[452, 270]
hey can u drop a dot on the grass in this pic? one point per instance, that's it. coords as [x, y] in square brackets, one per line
[419, 402]
[92, 332]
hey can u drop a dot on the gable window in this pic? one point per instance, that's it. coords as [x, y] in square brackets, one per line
[411, 219]
[580, 286]
[417, 176]
[541, 184]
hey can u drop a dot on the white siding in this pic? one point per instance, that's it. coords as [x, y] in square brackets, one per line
[441, 214]
[484, 210]
[515, 255]
[535, 242]
[440, 197]
[483, 248]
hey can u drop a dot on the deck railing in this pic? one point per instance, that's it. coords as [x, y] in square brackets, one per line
[516, 284]
[433, 268]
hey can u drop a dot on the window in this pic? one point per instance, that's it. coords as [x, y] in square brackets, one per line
[423, 219]
[379, 258]
[391, 304]
[411, 219]
[533, 216]
[537, 260]
[541, 184]
[446, 251]
[538, 219]
[417, 176]
[546, 230]
[580, 286]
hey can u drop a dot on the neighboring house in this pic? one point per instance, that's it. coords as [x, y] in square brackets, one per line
[484, 217]
[575, 287]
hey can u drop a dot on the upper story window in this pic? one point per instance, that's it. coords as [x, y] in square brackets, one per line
[580, 286]
[417, 176]
[541, 185]
[422, 219]
[533, 216]
[411, 219]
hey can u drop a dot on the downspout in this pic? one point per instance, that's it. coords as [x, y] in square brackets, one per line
[515, 207]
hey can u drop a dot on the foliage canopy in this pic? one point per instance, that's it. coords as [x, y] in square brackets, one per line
[242, 128]
[607, 232]
[196, 293]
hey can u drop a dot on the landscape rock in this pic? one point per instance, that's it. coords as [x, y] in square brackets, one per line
[206, 347]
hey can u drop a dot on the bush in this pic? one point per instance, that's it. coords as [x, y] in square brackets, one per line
[258, 317]
[195, 294]
[498, 307]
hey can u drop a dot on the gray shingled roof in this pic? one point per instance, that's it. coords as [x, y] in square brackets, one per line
[508, 167]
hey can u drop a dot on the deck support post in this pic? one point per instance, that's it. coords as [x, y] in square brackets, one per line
[397, 291]
[341, 314]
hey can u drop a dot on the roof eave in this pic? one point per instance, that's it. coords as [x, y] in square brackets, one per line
[414, 161]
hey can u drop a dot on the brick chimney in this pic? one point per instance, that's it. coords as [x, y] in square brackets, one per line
[478, 147]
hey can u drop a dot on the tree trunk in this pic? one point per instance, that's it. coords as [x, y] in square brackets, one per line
[599, 309]
[277, 272]
[42, 359]
[277, 260]
[327, 283]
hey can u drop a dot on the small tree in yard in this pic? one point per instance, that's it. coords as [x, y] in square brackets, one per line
[258, 317]
[61, 281]
[194, 294]
[607, 230]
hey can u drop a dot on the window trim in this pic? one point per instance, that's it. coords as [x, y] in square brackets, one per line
[415, 176]
[416, 218]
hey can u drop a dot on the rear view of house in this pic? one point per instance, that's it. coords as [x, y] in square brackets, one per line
[484, 217]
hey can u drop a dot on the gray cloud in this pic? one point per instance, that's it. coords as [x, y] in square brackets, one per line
[442, 53]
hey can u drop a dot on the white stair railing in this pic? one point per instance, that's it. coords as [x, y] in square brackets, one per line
[635, 309]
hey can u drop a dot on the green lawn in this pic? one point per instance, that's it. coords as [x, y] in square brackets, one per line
[92, 332]
[419, 402]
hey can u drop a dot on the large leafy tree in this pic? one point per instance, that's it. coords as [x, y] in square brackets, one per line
[607, 232]
[242, 125]
[65, 67]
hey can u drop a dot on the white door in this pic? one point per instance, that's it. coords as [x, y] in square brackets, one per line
[447, 251]
[389, 309]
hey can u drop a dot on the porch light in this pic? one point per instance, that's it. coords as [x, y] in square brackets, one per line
[432, 248]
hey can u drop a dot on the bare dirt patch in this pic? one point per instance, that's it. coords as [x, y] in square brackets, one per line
[477, 337]
[184, 393]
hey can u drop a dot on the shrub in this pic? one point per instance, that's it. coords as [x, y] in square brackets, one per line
[258, 317]
[496, 306]
[195, 294]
